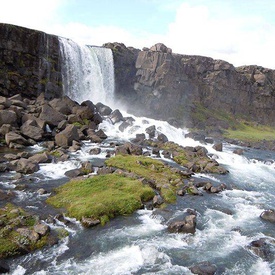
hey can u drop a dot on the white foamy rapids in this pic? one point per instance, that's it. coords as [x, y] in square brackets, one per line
[57, 170]
[139, 126]
[84, 154]
[250, 170]
[260, 267]
[124, 260]
[88, 72]
[50, 255]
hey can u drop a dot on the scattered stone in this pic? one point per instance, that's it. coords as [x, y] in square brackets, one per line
[28, 233]
[11, 157]
[188, 225]
[77, 172]
[203, 268]
[26, 166]
[31, 130]
[151, 131]
[157, 201]
[209, 140]
[101, 134]
[263, 249]
[122, 127]
[8, 117]
[162, 138]
[128, 149]
[95, 151]
[66, 137]
[238, 151]
[41, 191]
[89, 222]
[218, 147]
[116, 116]
[103, 109]
[41, 158]
[4, 268]
[42, 229]
[268, 215]
[51, 116]
[15, 138]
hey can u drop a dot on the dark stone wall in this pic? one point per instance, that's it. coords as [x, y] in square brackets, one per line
[29, 62]
[184, 88]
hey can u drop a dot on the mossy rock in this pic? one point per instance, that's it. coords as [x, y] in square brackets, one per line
[12, 242]
[101, 197]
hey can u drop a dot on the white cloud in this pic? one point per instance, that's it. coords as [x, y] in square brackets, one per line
[241, 41]
[30, 13]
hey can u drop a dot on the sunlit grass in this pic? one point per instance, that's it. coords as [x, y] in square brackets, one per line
[101, 196]
[250, 132]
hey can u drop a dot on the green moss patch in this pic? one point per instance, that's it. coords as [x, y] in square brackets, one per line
[11, 241]
[163, 176]
[101, 197]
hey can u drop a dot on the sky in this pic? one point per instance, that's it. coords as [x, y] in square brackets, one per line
[241, 32]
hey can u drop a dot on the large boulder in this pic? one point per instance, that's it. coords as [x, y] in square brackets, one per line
[203, 268]
[15, 138]
[42, 229]
[263, 248]
[63, 105]
[104, 110]
[25, 166]
[41, 158]
[188, 225]
[30, 129]
[50, 115]
[66, 137]
[8, 117]
[128, 149]
[116, 116]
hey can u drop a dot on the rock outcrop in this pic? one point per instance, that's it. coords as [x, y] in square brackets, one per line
[197, 90]
[29, 62]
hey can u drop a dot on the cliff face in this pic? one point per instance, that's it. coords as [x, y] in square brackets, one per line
[186, 88]
[29, 62]
[193, 90]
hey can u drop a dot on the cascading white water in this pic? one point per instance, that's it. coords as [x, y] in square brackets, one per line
[87, 72]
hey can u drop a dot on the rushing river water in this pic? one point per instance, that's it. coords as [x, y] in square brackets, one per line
[140, 244]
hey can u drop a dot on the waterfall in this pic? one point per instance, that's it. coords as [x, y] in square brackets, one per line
[87, 72]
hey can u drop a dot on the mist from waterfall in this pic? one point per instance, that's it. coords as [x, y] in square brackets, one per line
[87, 72]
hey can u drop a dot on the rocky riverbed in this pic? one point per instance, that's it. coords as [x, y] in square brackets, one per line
[61, 127]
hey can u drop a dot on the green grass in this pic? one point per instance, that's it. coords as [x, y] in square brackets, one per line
[150, 169]
[202, 113]
[251, 133]
[101, 197]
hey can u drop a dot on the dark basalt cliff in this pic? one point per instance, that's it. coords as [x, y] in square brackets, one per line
[29, 62]
[195, 91]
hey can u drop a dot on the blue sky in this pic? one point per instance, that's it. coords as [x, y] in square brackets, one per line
[241, 32]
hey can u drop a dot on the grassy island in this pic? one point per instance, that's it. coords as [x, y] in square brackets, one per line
[105, 196]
